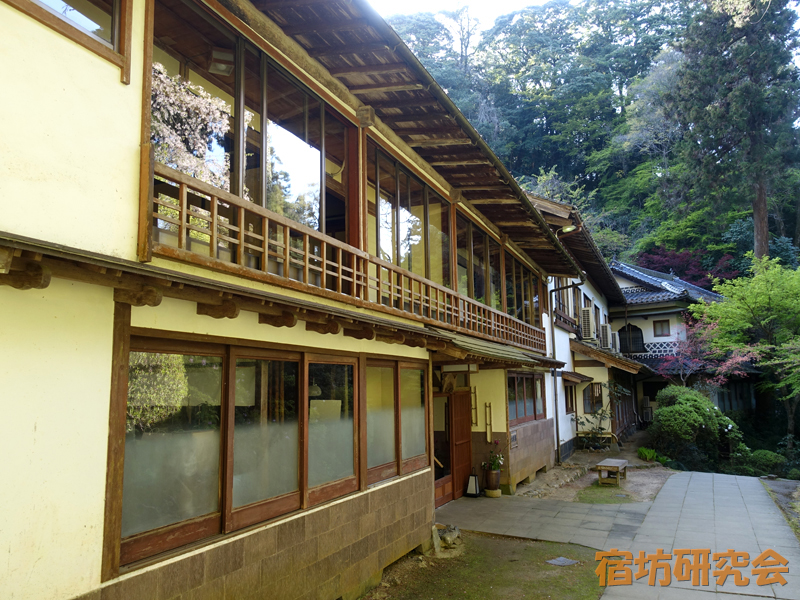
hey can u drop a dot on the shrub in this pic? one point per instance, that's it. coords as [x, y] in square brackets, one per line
[794, 474]
[689, 427]
[647, 454]
[768, 462]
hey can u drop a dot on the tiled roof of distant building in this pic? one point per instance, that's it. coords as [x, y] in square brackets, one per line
[662, 287]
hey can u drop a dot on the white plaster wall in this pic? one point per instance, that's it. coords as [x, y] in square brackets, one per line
[55, 373]
[69, 153]
[676, 328]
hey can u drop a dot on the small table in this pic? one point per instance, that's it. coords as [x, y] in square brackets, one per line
[614, 468]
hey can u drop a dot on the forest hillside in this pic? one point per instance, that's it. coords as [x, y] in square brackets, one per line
[672, 125]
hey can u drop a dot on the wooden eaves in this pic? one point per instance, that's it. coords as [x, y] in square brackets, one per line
[607, 358]
[364, 53]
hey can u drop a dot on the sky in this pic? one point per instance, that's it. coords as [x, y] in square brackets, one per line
[486, 11]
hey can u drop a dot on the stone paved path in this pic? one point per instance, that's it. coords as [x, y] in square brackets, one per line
[692, 510]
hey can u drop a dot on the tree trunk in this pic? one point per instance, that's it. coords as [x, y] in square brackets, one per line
[761, 221]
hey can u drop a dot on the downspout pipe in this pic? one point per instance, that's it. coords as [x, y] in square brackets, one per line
[553, 356]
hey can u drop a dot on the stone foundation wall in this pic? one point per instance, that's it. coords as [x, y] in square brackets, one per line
[535, 450]
[337, 550]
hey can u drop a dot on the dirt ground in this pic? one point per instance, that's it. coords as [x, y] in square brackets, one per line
[496, 567]
[786, 495]
[642, 485]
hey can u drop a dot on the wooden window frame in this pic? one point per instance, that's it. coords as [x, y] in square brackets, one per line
[569, 398]
[595, 398]
[118, 52]
[227, 519]
[656, 325]
[392, 468]
[537, 381]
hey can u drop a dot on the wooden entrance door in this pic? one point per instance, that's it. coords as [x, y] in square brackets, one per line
[461, 411]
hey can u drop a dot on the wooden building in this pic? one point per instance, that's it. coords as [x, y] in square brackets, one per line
[257, 274]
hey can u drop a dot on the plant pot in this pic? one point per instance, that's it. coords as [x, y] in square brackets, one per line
[492, 480]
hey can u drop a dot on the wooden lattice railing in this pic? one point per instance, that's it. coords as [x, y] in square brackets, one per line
[197, 223]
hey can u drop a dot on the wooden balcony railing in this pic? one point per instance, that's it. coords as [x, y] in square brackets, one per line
[197, 223]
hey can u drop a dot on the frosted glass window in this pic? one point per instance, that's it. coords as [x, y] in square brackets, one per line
[412, 407]
[172, 442]
[380, 416]
[512, 399]
[265, 439]
[529, 393]
[330, 423]
[539, 399]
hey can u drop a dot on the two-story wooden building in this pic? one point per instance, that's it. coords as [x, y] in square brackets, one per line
[262, 286]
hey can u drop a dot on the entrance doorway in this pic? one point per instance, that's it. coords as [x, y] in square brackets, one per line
[452, 445]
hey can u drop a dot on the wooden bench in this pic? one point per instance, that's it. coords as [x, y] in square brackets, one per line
[614, 468]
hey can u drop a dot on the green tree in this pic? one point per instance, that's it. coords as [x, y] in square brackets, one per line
[737, 99]
[761, 314]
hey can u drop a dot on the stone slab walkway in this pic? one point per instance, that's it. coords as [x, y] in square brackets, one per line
[692, 510]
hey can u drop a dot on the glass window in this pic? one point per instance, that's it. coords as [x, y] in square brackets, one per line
[462, 255]
[336, 199]
[495, 283]
[172, 441]
[530, 393]
[253, 188]
[511, 289]
[266, 430]
[512, 398]
[387, 209]
[479, 260]
[293, 155]
[661, 328]
[94, 17]
[330, 423]
[411, 219]
[412, 415]
[380, 416]
[439, 237]
[538, 384]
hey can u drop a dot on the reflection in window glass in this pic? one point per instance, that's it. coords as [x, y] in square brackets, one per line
[478, 265]
[539, 399]
[512, 399]
[94, 16]
[412, 411]
[529, 395]
[172, 440]
[293, 156]
[411, 220]
[495, 283]
[387, 213]
[439, 238]
[330, 423]
[380, 416]
[253, 188]
[265, 440]
[462, 254]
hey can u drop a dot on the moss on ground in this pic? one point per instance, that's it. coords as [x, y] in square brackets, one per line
[607, 494]
[493, 567]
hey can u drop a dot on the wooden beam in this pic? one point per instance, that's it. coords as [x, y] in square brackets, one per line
[369, 70]
[405, 103]
[325, 26]
[439, 142]
[457, 162]
[277, 4]
[229, 309]
[33, 277]
[427, 130]
[6, 258]
[415, 341]
[451, 352]
[147, 296]
[364, 333]
[480, 188]
[374, 88]
[329, 327]
[391, 338]
[347, 49]
[494, 201]
[287, 318]
[518, 223]
[423, 118]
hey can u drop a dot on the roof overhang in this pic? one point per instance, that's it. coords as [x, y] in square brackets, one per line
[489, 353]
[607, 358]
[573, 378]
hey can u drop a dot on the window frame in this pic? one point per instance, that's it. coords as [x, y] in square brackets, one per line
[537, 381]
[569, 398]
[227, 520]
[594, 399]
[661, 323]
[118, 52]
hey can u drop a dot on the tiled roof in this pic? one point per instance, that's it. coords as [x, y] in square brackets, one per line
[665, 287]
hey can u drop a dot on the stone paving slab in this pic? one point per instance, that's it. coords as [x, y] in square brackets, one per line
[692, 511]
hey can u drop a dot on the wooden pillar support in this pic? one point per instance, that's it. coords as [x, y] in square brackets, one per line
[391, 338]
[286, 319]
[34, 276]
[148, 296]
[229, 309]
[364, 333]
[6, 258]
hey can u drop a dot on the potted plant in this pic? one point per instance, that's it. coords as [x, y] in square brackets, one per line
[492, 470]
